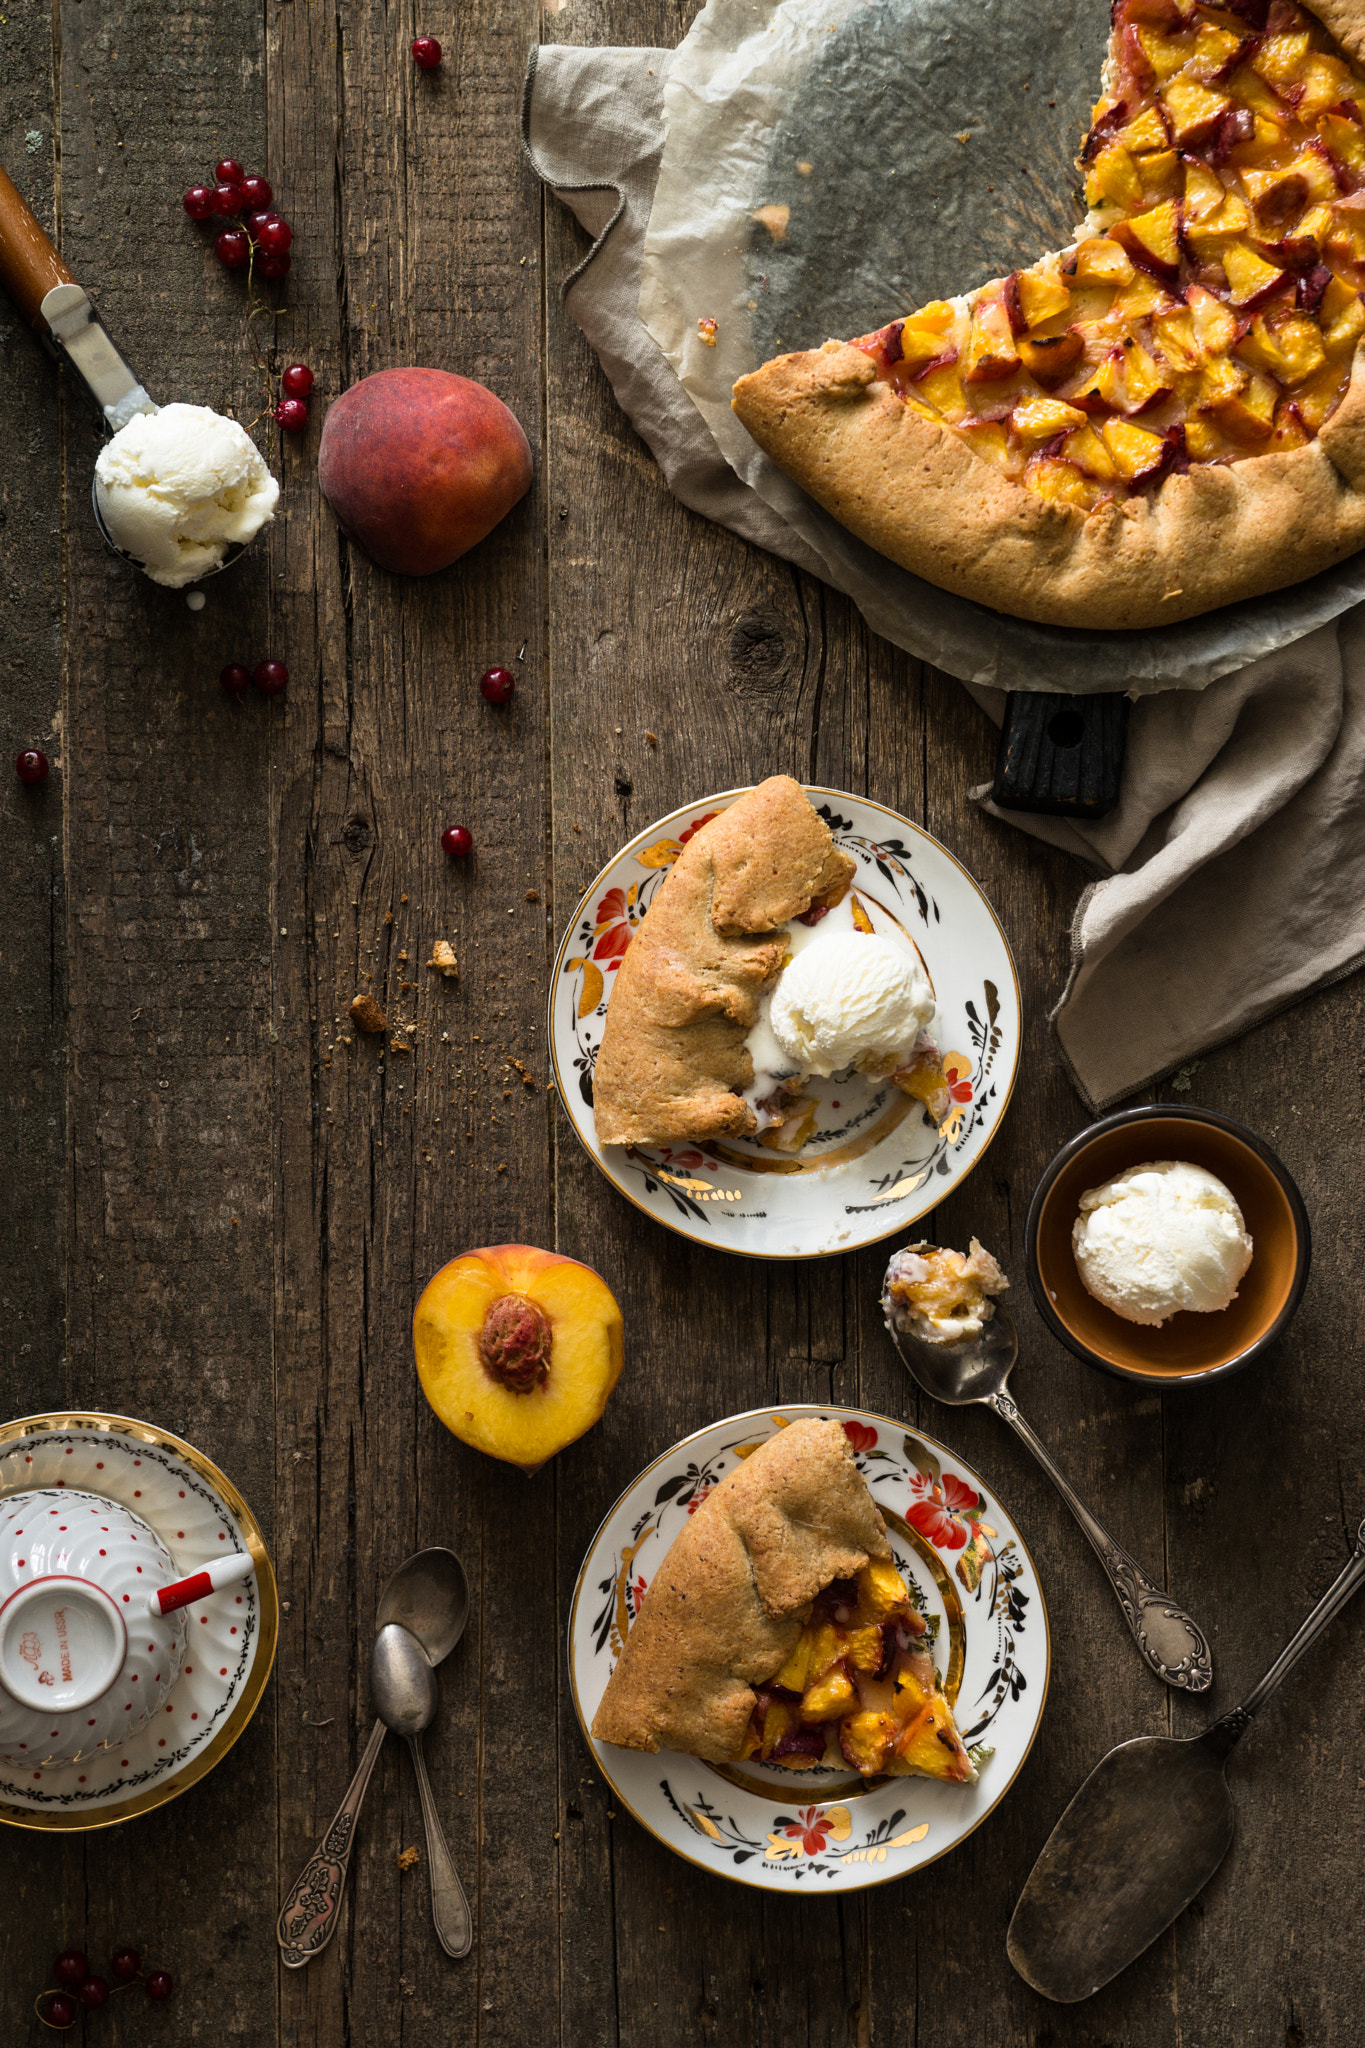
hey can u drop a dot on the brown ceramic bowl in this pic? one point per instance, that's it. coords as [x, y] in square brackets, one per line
[1188, 1347]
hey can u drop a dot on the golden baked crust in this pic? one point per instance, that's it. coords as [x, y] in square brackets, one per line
[1164, 505]
[673, 1056]
[914, 490]
[727, 1605]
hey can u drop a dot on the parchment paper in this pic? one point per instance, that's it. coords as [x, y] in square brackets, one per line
[894, 209]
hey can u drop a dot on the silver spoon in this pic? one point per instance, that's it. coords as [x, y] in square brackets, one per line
[404, 1688]
[1146, 1831]
[976, 1369]
[429, 1596]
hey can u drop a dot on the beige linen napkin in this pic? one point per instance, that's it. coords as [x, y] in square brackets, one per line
[1233, 871]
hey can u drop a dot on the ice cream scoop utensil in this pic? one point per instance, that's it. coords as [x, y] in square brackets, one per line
[59, 310]
[404, 1688]
[54, 304]
[976, 1369]
[429, 1595]
[1143, 1835]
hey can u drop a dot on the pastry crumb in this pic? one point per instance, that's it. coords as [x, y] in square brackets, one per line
[774, 219]
[964, 134]
[408, 1859]
[397, 1045]
[805, 169]
[707, 330]
[651, 739]
[443, 959]
[367, 1015]
[533, 895]
[388, 917]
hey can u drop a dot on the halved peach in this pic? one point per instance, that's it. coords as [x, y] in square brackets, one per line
[517, 1350]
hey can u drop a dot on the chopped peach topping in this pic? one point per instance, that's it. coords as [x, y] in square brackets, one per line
[1214, 307]
[1038, 419]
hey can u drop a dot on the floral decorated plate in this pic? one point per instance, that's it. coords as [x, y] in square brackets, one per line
[195, 1511]
[969, 1573]
[874, 1162]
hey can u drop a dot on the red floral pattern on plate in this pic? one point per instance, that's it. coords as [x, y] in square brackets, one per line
[811, 1828]
[860, 1436]
[946, 1510]
[611, 929]
[957, 1072]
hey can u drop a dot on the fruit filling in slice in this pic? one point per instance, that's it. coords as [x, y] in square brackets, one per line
[860, 1686]
[1211, 307]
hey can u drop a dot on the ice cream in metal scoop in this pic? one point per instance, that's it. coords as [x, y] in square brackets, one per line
[180, 489]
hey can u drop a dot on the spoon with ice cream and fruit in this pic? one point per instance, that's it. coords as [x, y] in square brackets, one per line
[179, 490]
[945, 1320]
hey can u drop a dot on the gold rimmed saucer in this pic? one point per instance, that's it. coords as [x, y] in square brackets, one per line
[191, 1504]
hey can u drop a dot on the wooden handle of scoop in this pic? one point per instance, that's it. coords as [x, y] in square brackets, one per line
[29, 265]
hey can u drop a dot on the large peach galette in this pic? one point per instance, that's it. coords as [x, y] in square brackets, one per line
[778, 1628]
[1170, 413]
[740, 985]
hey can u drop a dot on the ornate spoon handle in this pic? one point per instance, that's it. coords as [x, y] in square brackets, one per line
[1173, 1645]
[449, 1906]
[309, 1916]
[1343, 1588]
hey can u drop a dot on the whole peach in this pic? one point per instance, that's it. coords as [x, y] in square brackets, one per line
[418, 465]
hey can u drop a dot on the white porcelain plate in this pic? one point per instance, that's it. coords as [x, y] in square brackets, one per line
[971, 1576]
[197, 1514]
[875, 1162]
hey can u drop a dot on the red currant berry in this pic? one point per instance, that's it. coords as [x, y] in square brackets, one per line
[94, 1993]
[229, 171]
[232, 249]
[234, 680]
[270, 676]
[275, 236]
[457, 840]
[160, 1984]
[198, 202]
[71, 1968]
[498, 685]
[59, 2010]
[227, 200]
[275, 266]
[256, 191]
[297, 380]
[254, 222]
[126, 1962]
[292, 415]
[426, 52]
[32, 765]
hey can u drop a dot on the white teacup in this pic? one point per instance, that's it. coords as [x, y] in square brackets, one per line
[85, 1662]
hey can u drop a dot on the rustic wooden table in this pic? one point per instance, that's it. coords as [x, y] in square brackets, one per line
[215, 1220]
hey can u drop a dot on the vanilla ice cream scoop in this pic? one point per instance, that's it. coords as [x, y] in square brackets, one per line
[850, 999]
[1162, 1237]
[178, 487]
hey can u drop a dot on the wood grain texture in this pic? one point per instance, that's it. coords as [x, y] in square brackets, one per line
[224, 1201]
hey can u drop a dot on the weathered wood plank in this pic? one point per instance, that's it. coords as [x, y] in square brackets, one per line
[41, 1875]
[421, 248]
[170, 897]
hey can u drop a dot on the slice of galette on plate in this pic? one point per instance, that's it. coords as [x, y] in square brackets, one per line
[756, 968]
[1168, 414]
[779, 1629]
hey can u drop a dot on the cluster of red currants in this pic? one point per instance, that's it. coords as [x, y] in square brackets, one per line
[270, 677]
[78, 1987]
[244, 198]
